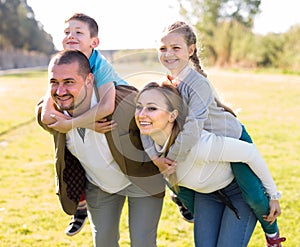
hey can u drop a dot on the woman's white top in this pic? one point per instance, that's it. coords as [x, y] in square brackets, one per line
[207, 167]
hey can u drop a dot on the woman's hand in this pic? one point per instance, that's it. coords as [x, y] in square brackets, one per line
[275, 211]
[165, 166]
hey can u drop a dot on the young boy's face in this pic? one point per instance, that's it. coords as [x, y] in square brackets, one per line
[78, 37]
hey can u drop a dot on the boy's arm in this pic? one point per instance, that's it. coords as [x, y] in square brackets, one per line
[105, 107]
[48, 110]
[88, 119]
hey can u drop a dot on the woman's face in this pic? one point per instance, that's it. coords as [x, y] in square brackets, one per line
[152, 115]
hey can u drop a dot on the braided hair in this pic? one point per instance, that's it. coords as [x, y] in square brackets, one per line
[191, 39]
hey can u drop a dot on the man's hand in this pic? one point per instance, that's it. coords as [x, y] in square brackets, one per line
[275, 211]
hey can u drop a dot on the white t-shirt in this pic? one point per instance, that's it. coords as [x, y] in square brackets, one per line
[96, 158]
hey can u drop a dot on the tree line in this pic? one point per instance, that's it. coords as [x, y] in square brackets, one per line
[224, 29]
[23, 41]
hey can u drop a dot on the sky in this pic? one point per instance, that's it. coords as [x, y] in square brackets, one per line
[136, 24]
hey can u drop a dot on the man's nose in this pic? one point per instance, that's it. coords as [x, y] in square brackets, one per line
[61, 90]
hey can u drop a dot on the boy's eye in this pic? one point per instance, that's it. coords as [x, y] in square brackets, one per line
[162, 49]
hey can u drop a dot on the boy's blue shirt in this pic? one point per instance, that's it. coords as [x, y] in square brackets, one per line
[103, 70]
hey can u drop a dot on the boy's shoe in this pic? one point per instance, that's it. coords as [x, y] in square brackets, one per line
[186, 214]
[77, 222]
[275, 241]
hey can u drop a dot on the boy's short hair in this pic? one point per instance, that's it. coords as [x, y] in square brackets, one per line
[93, 26]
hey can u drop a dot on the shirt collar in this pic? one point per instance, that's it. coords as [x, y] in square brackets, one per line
[183, 74]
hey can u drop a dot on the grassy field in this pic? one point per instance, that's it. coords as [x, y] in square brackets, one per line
[30, 214]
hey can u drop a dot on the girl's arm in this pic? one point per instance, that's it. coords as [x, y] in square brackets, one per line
[198, 96]
[88, 119]
[226, 149]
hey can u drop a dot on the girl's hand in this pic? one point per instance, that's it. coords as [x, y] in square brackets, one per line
[165, 165]
[275, 211]
[104, 126]
[61, 124]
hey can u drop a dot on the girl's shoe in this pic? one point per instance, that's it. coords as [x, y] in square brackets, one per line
[275, 241]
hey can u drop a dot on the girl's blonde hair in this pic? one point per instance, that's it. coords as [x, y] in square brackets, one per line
[190, 38]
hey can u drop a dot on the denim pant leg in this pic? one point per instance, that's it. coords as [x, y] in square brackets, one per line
[252, 190]
[104, 211]
[216, 225]
[144, 215]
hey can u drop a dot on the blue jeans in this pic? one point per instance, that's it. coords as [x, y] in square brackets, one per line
[216, 225]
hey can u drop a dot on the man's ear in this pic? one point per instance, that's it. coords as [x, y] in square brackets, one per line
[173, 116]
[90, 79]
[95, 42]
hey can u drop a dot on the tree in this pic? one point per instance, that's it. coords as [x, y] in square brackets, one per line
[19, 28]
[218, 22]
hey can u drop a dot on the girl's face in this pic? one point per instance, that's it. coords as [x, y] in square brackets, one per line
[174, 53]
[78, 37]
[152, 116]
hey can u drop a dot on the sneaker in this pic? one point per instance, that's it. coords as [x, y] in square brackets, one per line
[274, 241]
[186, 214]
[76, 223]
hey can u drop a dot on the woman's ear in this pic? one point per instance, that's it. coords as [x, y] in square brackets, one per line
[173, 116]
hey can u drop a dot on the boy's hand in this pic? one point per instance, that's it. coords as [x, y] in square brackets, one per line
[275, 211]
[165, 165]
[104, 126]
[61, 124]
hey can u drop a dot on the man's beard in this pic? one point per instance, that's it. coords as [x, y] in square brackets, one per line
[72, 106]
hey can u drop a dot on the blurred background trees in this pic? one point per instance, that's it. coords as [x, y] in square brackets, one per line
[224, 29]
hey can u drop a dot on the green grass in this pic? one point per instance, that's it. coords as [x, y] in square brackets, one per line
[30, 214]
